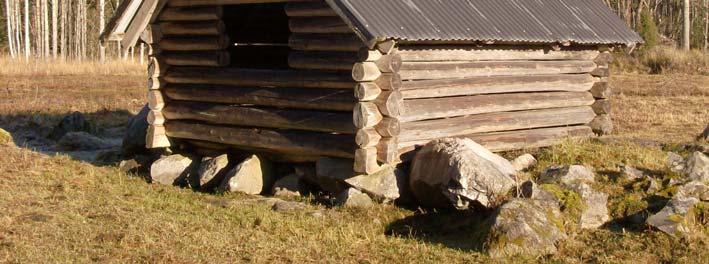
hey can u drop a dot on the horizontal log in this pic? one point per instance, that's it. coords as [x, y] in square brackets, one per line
[602, 106]
[195, 28]
[338, 61]
[367, 91]
[324, 25]
[157, 67]
[309, 9]
[386, 47]
[366, 114]
[497, 84]
[155, 100]
[449, 70]
[367, 137]
[261, 77]
[494, 122]
[313, 99]
[220, 42]
[365, 72]
[308, 120]
[198, 58]
[602, 125]
[604, 59]
[201, 13]
[325, 42]
[388, 127]
[602, 89]
[388, 151]
[156, 118]
[389, 82]
[513, 140]
[601, 72]
[389, 103]
[280, 141]
[222, 2]
[205, 148]
[156, 137]
[423, 109]
[365, 160]
[472, 53]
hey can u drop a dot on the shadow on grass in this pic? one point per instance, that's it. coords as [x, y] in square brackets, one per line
[465, 230]
[34, 131]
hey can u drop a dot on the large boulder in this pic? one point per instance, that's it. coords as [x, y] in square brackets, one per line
[136, 132]
[82, 141]
[675, 162]
[594, 211]
[6, 138]
[459, 173]
[336, 175]
[567, 175]
[696, 167]
[352, 197]
[525, 227]
[631, 173]
[694, 189]
[212, 170]
[75, 122]
[172, 170]
[677, 218]
[254, 175]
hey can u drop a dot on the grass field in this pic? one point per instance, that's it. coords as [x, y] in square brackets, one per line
[55, 209]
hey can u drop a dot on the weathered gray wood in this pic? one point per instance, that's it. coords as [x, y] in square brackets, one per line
[198, 58]
[497, 84]
[324, 25]
[338, 61]
[433, 108]
[602, 106]
[513, 140]
[206, 148]
[473, 53]
[156, 137]
[602, 89]
[287, 142]
[308, 120]
[389, 82]
[494, 122]
[325, 42]
[389, 103]
[448, 70]
[388, 151]
[194, 28]
[601, 72]
[315, 99]
[261, 78]
[366, 114]
[220, 42]
[367, 137]
[309, 9]
[604, 59]
[365, 160]
[196, 13]
[388, 127]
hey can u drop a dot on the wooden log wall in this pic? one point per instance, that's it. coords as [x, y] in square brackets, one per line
[296, 113]
[504, 97]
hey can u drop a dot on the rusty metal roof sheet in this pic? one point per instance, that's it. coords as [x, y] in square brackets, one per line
[586, 22]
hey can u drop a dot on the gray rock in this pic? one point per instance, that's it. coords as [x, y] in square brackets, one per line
[567, 175]
[135, 134]
[459, 172]
[653, 185]
[138, 164]
[525, 227]
[694, 189]
[595, 210]
[212, 170]
[288, 186]
[675, 162]
[74, 141]
[697, 167]
[352, 197]
[531, 190]
[6, 138]
[75, 122]
[630, 173]
[252, 176]
[335, 175]
[172, 170]
[677, 218]
[524, 162]
[288, 206]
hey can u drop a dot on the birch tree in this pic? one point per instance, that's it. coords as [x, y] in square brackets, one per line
[8, 27]
[28, 51]
[55, 6]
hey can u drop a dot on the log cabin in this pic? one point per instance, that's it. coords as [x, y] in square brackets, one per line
[372, 80]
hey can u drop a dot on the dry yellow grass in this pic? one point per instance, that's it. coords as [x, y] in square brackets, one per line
[55, 209]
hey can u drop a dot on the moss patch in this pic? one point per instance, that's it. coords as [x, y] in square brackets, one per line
[624, 206]
[571, 203]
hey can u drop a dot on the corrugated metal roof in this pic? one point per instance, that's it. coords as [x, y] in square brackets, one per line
[528, 21]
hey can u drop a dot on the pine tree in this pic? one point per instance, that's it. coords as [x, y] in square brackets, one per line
[648, 29]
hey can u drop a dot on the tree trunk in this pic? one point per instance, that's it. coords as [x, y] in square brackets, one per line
[28, 52]
[55, 6]
[8, 11]
[62, 25]
[102, 26]
[687, 26]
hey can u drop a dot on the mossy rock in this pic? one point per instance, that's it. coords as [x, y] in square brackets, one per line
[6, 138]
[571, 203]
